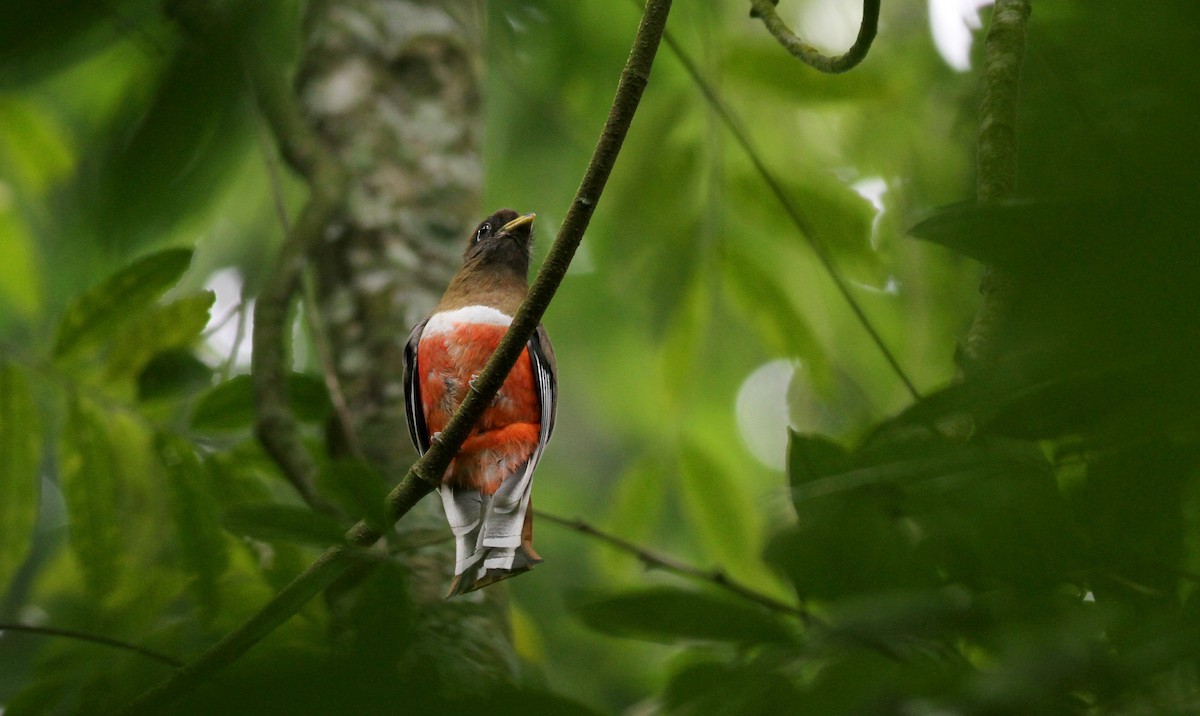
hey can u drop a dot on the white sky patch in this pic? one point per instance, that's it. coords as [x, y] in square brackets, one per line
[952, 22]
[762, 412]
[829, 25]
[227, 285]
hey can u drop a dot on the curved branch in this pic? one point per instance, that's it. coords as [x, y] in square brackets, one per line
[92, 638]
[304, 151]
[425, 474]
[811, 56]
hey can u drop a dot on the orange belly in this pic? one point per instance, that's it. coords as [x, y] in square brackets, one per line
[507, 434]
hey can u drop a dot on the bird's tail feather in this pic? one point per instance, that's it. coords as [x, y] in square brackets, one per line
[493, 534]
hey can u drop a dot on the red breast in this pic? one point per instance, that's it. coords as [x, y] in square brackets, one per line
[455, 346]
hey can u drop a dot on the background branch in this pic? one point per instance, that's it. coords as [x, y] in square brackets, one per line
[811, 56]
[92, 638]
[425, 474]
[304, 152]
[1004, 52]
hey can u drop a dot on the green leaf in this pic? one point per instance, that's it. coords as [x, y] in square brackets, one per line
[90, 483]
[175, 325]
[984, 513]
[273, 522]
[768, 308]
[34, 145]
[812, 457]
[230, 405]
[202, 544]
[669, 614]
[717, 508]
[172, 372]
[634, 509]
[183, 145]
[846, 544]
[20, 439]
[731, 690]
[93, 316]
[20, 272]
[357, 490]
[894, 616]
[753, 61]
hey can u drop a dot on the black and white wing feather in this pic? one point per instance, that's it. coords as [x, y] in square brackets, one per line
[414, 407]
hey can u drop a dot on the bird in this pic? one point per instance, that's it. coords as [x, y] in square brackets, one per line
[486, 489]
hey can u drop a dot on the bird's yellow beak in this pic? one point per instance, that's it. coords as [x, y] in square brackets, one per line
[517, 223]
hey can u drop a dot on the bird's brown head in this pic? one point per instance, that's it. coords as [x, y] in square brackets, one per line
[501, 242]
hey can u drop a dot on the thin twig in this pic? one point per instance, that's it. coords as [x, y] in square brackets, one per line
[92, 638]
[333, 384]
[307, 154]
[218, 324]
[425, 474]
[795, 214]
[716, 577]
[811, 56]
[239, 335]
[312, 312]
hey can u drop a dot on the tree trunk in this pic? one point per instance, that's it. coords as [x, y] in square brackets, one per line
[394, 87]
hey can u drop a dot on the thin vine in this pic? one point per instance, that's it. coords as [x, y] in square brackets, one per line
[811, 56]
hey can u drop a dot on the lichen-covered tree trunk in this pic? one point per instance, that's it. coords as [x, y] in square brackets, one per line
[394, 86]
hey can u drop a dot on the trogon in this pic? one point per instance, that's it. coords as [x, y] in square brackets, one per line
[486, 488]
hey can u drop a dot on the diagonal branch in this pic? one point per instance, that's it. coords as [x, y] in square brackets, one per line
[425, 474]
[811, 56]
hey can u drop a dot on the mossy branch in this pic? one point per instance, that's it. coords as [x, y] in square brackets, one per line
[811, 56]
[996, 178]
[1004, 53]
[425, 474]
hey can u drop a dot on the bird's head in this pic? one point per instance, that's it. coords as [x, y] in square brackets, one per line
[504, 240]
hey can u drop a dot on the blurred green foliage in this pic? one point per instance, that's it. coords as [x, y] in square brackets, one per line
[1047, 565]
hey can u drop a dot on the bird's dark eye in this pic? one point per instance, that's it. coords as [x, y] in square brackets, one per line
[484, 229]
